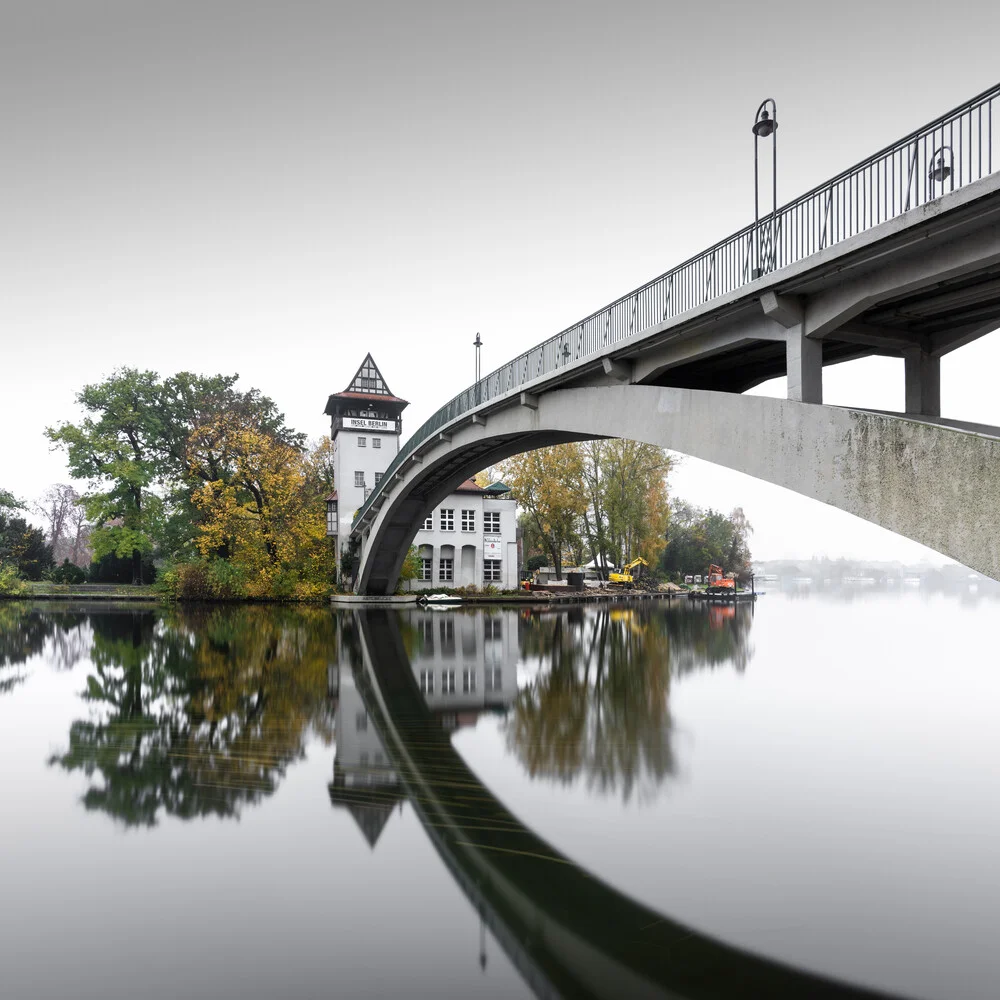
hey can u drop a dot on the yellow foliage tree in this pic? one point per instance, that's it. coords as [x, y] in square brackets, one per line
[265, 515]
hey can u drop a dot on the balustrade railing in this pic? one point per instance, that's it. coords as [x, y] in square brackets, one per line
[951, 152]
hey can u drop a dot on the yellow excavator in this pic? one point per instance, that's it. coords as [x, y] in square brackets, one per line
[623, 577]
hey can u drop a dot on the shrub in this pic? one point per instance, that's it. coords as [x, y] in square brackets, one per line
[65, 573]
[11, 584]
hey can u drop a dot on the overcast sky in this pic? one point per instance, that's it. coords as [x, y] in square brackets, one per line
[275, 188]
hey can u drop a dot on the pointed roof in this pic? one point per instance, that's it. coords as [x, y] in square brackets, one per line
[368, 384]
[368, 379]
[370, 803]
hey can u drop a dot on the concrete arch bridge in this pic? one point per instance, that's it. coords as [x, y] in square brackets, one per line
[898, 256]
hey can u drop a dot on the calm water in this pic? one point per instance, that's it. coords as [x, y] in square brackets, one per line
[256, 802]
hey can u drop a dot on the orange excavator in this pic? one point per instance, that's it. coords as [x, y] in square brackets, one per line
[717, 580]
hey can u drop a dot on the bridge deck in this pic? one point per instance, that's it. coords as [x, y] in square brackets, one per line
[924, 208]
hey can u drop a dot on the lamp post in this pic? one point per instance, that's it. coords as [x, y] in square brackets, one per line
[478, 343]
[764, 124]
[940, 169]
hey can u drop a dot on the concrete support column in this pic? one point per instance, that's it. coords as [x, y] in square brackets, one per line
[923, 383]
[804, 364]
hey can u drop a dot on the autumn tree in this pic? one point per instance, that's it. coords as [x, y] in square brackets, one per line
[266, 513]
[195, 441]
[115, 448]
[546, 483]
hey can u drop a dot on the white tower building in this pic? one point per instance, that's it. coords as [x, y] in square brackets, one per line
[365, 427]
[468, 540]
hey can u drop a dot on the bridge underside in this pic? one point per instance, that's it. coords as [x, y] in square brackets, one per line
[929, 480]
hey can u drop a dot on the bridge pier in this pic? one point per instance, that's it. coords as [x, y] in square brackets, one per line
[804, 365]
[923, 383]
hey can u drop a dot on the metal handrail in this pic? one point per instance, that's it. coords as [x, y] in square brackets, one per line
[895, 180]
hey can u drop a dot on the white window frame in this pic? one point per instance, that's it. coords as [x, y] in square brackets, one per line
[447, 682]
[362, 442]
[428, 524]
[427, 682]
[494, 679]
[359, 480]
[426, 570]
[468, 519]
[492, 570]
[446, 570]
[376, 442]
[446, 518]
[491, 522]
[468, 681]
[378, 477]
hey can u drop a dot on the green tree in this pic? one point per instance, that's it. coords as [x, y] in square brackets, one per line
[700, 537]
[115, 448]
[411, 565]
[22, 545]
[10, 502]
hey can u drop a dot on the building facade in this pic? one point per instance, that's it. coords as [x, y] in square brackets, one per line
[469, 539]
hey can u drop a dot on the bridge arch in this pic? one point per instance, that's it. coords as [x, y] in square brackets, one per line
[934, 481]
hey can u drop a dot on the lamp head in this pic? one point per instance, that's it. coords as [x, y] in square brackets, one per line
[940, 168]
[764, 125]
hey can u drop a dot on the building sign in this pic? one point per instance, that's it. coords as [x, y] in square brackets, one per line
[492, 546]
[368, 424]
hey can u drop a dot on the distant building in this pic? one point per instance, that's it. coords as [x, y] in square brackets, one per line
[469, 539]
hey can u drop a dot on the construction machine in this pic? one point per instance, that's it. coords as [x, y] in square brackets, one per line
[717, 580]
[623, 577]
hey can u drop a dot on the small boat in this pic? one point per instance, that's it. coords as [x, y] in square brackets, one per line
[438, 599]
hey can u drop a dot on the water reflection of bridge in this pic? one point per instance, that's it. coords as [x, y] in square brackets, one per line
[567, 932]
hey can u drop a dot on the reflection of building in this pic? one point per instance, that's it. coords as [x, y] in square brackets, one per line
[364, 782]
[464, 664]
[469, 539]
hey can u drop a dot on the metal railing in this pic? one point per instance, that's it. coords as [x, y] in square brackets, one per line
[952, 151]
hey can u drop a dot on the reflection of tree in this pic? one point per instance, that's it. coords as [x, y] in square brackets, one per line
[198, 712]
[22, 635]
[598, 706]
[706, 635]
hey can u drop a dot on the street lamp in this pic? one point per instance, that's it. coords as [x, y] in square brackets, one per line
[940, 168]
[764, 124]
[477, 343]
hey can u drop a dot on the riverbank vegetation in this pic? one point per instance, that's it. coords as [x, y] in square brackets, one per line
[203, 480]
[605, 503]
